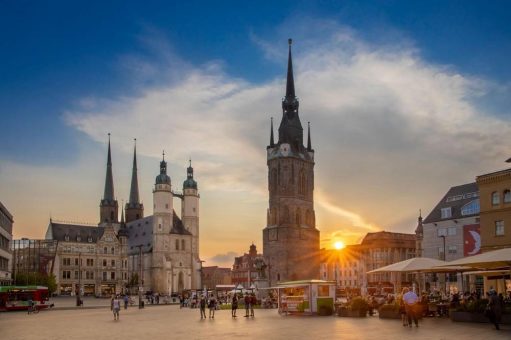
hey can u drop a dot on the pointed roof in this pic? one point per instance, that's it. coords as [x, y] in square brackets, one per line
[309, 142]
[134, 196]
[109, 180]
[272, 139]
[420, 229]
[290, 85]
[290, 129]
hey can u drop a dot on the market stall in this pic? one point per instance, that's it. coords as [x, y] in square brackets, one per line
[306, 297]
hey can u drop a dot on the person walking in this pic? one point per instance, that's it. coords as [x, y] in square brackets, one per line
[495, 309]
[253, 301]
[202, 305]
[402, 307]
[234, 305]
[212, 307]
[116, 307]
[411, 299]
[247, 305]
[126, 300]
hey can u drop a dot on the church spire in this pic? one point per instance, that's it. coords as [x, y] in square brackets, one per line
[309, 142]
[290, 86]
[290, 129]
[134, 209]
[272, 140]
[134, 197]
[109, 180]
[108, 207]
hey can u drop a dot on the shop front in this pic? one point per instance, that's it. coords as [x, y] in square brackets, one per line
[306, 297]
[107, 289]
[66, 289]
[89, 289]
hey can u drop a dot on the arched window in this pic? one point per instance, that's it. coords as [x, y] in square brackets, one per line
[105, 250]
[183, 245]
[495, 198]
[308, 218]
[507, 196]
[112, 250]
[285, 214]
[273, 180]
[302, 184]
[177, 244]
[111, 216]
[298, 216]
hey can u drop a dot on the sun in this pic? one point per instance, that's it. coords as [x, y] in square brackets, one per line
[339, 245]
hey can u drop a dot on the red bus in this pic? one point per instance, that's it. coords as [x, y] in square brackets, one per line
[17, 297]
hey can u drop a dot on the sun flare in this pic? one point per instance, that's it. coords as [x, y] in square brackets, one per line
[339, 245]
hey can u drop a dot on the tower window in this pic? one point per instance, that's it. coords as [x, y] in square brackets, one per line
[182, 244]
[166, 206]
[177, 244]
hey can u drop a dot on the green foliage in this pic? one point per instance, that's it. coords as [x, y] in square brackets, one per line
[390, 307]
[325, 306]
[37, 279]
[359, 303]
[474, 306]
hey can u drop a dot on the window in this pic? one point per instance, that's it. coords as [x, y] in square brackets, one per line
[104, 263]
[441, 253]
[76, 274]
[446, 212]
[112, 275]
[507, 196]
[183, 245]
[104, 276]
[453, 249]
[495, 198]
[499, 228]
[112, 250]
[471, 208]
[105, 250]
[177, 244]
[113, 263]
[441, 232]
[66, 262]
[76, 262]
[451, 231]
[90, 262]
[166, 205]
[66, 274]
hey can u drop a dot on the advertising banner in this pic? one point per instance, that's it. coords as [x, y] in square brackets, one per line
[471, 239]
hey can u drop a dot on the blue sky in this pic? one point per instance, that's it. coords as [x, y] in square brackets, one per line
[64, 66]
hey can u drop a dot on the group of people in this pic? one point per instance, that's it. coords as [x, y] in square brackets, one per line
[211, 303]
[249, 300]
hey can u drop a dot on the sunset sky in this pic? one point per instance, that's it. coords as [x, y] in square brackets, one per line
[405, 100]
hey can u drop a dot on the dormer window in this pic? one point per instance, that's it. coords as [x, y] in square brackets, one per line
[446, 212]
[66, 237]
[507, 196]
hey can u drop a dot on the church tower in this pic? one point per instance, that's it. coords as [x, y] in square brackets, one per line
[162, 225]
[108, 208]
[290, 239]
[134, 209]
[190, 218]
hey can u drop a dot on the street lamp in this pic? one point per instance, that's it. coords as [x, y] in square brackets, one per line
[443, 258]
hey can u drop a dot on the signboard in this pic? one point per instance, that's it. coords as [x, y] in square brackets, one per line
[471, 239]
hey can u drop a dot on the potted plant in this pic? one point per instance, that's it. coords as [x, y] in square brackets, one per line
[358, 307]
[389, 311]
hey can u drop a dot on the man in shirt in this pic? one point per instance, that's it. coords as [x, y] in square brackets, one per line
[411, 299]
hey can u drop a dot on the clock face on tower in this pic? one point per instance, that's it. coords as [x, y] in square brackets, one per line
[284, 149]
[272, 234]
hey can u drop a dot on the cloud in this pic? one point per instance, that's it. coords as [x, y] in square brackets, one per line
[225, 260]
[392, 131]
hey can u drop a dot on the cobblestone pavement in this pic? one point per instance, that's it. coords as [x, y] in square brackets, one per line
[171, 322]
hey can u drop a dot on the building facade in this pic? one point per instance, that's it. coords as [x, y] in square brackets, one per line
[6, 222]
[495, 220]
[214, 275]
[157, 253]
[451, 231]
[290, 238]
[246, 269]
